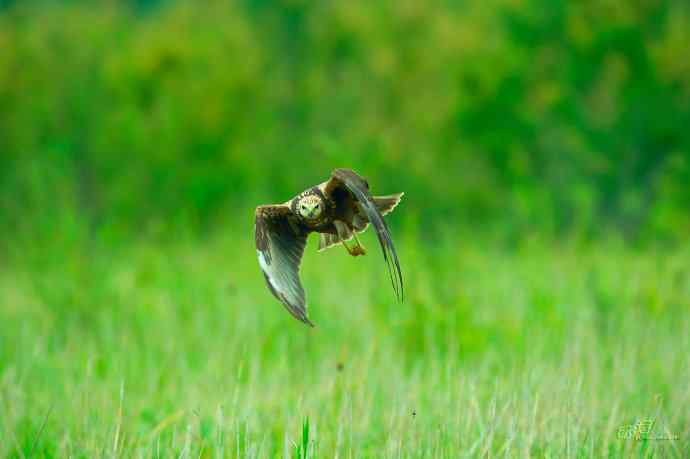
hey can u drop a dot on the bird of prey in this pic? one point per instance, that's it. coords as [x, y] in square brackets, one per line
[338, 209]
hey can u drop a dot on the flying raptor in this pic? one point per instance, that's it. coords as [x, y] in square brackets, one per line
[338, 209]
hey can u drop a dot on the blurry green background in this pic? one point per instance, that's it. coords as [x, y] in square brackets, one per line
[544, 148]
[505, 117]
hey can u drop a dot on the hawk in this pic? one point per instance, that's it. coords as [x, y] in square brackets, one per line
[338, 209]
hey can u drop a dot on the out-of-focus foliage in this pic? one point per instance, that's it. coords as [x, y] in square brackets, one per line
[518, 116]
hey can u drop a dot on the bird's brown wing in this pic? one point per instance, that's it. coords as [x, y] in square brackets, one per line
[349, 181]
[280, 245]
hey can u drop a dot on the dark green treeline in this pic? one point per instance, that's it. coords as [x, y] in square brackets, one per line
[516, 117]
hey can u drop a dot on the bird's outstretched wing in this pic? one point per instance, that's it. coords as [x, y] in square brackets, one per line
[349, 181]
[280, 245]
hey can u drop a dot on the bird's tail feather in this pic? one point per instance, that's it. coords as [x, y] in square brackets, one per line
[386, 204]
[329, 240]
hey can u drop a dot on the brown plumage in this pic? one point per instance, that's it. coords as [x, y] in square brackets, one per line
[338, 209]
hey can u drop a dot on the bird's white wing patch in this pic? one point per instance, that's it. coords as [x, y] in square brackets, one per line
[266, 268]
[279, 249]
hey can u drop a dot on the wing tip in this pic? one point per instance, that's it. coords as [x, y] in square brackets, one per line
[301, 316]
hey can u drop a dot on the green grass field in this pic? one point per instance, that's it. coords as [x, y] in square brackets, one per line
[178, 350]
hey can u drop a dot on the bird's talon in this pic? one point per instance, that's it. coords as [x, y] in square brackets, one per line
[358, 250]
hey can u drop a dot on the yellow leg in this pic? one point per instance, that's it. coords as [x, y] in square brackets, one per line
[360, 248]
[354, 251]
[344, 232]
[347, 248]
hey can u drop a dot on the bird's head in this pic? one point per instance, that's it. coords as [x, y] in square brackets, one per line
[310, 206]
